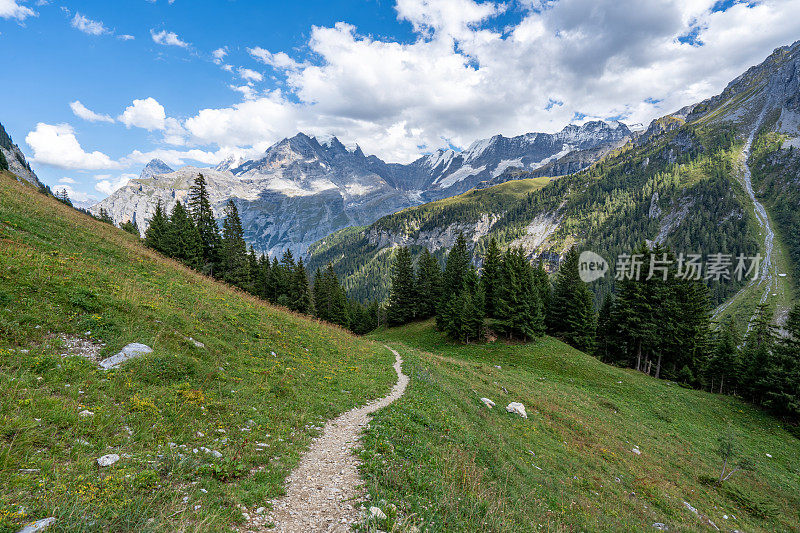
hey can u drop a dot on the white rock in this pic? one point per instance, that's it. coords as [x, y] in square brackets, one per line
[636, 450]
[131, 351]
[769, 455]
[518, 408]
[260, 510]
[108, 460]
[489, 403]
[662, 527]
[375, 512]
[39, 525]
[85, 413]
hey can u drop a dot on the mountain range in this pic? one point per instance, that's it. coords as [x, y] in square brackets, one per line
[721, 175]
[302, 189]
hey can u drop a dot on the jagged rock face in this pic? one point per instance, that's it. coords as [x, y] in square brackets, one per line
[17, 164]
[489, 160]
[301, 190]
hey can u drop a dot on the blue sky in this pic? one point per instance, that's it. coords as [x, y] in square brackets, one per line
[194, 82]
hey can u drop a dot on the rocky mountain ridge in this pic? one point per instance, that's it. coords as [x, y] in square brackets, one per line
[301, 189]
[15, 159]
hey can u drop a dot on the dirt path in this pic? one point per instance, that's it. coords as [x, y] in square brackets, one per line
[322, 493]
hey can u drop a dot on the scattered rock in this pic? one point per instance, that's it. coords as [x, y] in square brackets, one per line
[489, 403]
[518, 408]
[85, 413]
[108, 460]
[376, 513]
[130, 351]
[28, 470]
[39, 525]
[261, 510]
[636, 450]
[660, 526]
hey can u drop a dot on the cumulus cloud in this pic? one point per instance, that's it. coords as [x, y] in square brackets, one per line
[167, 38]
[56, 145]
[108, 185]
[11, 9]
[280, 60]
[88, 26]
[470, 75]
[85, 113]
[249, 75]
[67, 180]
[146, 113]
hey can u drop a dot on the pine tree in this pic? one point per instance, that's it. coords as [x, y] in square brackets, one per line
[572, 314]
[635, 315]
[490, 278]
[322, 295]
[156, 233]
[338, 306]
[301, 295]
[428, 286]
[252, 270]
[203, 216]
[782, 394]
[130, 227]
[519, 309]
[723, 361]
[606, 332]
[403, 297]
[275, 282]
[756, 370]
[234, 250]
[182, 241]
[455, 270]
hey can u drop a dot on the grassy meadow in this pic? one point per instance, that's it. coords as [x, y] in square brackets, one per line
[260, 388]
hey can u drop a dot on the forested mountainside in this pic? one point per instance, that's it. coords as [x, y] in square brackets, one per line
[680, 184]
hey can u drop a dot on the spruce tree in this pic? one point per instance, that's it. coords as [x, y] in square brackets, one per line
[782, 383]
[572, 315]
[490, 277]
[322, 294]
[519, 309]
[203, 216]
[234, 250]
[301, 295]
[755, 372]
[428, 285]
[403, 296]
[456, 267]
[182, 240]
[722, 365]
[155, 235]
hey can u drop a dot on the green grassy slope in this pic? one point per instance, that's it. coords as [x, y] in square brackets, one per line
[64, 273]
[453, 465]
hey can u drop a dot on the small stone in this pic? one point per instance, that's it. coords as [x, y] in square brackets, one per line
[636, 450]
[260, 510]
[108, 460]
[769, 455]
[376, 513]
[660, 526]
[489, 403]
[518, 408]
[85, 413]
[130, 351]
[39, 525]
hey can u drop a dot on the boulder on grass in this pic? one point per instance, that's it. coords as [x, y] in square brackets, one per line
[130, 351]
[518, 408]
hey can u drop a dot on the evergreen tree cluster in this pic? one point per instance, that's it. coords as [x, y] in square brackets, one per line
[509, 297]
[191, 235]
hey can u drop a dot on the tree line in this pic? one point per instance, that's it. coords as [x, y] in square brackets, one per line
[660, 325]
[190, 234]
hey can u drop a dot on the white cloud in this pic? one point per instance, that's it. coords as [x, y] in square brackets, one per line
[56, 145]
[146, 113]
[249, 75]
[67, 180]
[219, 54]
[85, 113]
[88, 26]
[280, 60]
[125, 37]
[107, 185]
[247, 92]
[10, 9]
[167, 38]
[465, 77]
